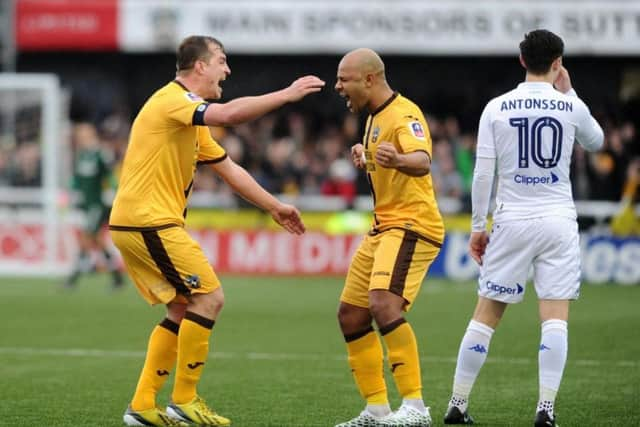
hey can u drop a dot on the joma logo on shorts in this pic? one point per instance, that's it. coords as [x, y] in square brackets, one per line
[381, 273]
[501, 289]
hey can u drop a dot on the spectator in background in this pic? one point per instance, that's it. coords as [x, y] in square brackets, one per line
[446, 179]
[606, 169]
[26, 168]
[464, 153]
[278, 175]
[5, 165]
[626, 222]
[340, 181]
[91, 174]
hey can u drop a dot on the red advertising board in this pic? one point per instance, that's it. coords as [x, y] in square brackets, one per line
[236, 252]
[26, 244]
[66, 24]
[277, 252]
[23, 250]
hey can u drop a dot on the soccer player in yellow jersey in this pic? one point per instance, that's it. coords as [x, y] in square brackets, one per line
[406, 235]
[169, 139]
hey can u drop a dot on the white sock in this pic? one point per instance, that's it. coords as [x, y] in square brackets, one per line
[552, 357]
[415, 404]
[378, 410]
[471, 356]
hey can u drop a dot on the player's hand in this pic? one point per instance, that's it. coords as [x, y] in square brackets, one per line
[387, 155]
[477, 245]
[563, 81]
[289, 218]
[357, 156]
[303, 87]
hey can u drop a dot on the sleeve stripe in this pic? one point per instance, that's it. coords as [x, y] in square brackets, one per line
[211, 161]
[198, 114]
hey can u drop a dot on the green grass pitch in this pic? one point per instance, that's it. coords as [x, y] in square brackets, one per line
[278, 359]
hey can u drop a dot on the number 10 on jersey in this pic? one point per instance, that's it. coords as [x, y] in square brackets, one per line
[530, 141]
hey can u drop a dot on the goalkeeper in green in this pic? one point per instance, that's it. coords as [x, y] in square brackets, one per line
[91, 170]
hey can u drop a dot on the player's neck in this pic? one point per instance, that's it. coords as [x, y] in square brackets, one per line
[190, 83]
[379, 97]
[539, 78]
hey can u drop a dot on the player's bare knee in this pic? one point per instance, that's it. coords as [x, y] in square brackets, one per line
[385, 307]
[176, 311]
[553, 309]
[345, 315]
[353, 319]
[208, 305]
[216, 301]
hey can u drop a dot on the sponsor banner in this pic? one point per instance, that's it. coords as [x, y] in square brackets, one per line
[604, 259]
[269, 252]
[23, 250]
[453, 27]
[66, 24]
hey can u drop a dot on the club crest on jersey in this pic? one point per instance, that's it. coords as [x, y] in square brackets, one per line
[376, 134]
[417, 130]
[192, 97]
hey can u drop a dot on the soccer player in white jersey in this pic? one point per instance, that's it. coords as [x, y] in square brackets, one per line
[527, 136]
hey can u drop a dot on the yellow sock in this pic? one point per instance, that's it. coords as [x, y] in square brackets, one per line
[193, 348]
[366, 361]
[403, 358]
[159, 362]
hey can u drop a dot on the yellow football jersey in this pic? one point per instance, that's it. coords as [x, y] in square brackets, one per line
[168, 140]
[400, 200]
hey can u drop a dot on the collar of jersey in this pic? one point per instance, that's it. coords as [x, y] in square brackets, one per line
[535, 85]
[386, 103]
[181, 85]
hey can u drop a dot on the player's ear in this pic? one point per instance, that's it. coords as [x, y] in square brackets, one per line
[198, 66]
[524, 65]
[368, 80]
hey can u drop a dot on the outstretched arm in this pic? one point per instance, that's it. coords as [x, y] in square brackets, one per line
[244, 184]
[248, 108]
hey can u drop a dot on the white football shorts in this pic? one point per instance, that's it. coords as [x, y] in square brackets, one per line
[549, 245]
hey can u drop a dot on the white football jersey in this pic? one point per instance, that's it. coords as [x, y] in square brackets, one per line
[530, 131]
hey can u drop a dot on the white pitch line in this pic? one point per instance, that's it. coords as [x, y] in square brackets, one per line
[86, 352]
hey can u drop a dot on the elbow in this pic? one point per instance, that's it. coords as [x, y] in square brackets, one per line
[600, 140]
[426, 166]
[423, 166]
[597, 143]
[417, 172]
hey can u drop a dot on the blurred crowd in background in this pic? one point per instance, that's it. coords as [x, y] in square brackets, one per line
[296, 153]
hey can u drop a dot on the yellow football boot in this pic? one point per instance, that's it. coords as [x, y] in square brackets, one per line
[197, 412]
[150, 417]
